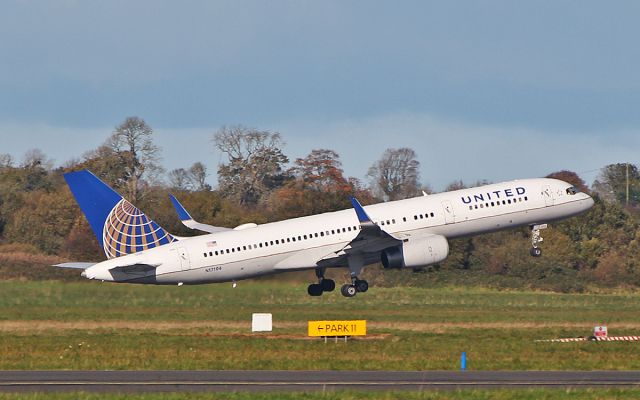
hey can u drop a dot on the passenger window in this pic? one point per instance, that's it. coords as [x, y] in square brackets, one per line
[205, 254]
[216, 252]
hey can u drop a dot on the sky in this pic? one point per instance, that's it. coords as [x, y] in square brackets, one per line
[481, 90]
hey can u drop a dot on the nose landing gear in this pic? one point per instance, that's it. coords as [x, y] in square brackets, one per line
[536, 239]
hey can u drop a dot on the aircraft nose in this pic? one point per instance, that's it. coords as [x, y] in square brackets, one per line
[588, 202]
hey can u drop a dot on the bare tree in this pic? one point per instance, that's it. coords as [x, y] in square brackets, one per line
[133, 145]
[198, 175]
[192, 179]
[395, 176]
[254, 164]
[35, 158]
[6, 161]
[179, 179]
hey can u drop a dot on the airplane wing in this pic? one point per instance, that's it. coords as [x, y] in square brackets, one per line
[368, 244]
[190, 223]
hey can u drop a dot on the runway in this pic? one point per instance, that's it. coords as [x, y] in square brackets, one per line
[220, 381]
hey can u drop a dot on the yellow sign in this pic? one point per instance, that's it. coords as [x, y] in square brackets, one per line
[338, 328]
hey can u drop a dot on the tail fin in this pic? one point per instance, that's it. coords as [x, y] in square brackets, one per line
[119, 226]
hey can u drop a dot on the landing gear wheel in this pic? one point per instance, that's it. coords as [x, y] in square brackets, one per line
[361, 286]
[536, 239]
[348, 290]
[315, 289]
[328, 285]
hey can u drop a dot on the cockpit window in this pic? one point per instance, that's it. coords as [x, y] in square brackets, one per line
[572, 190]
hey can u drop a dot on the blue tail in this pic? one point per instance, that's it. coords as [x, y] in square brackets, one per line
[119, 226]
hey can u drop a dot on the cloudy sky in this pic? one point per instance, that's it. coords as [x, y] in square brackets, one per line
[492, 90]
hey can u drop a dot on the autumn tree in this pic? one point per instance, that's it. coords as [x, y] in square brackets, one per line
[321, 170]
[395, 175]
[570, 177]
[254, 166]
[319, 186]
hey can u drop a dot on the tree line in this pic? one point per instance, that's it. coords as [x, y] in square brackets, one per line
[257, 182]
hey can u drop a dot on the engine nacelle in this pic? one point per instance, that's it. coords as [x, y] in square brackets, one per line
[416, 253]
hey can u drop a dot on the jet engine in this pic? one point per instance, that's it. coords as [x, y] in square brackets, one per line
[416, 253]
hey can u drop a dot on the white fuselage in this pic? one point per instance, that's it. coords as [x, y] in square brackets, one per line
[301, 243]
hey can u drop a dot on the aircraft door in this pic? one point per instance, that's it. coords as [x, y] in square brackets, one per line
[449, 213]
[547, 194]
[183, 255]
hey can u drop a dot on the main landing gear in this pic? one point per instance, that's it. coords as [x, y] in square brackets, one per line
[356, 286]
[356, 262]
[536, 239]
[323, 285]
[347, 290]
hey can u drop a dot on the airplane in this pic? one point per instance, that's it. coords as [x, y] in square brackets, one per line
[408, 233]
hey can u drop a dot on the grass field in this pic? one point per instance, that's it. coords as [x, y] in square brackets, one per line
[91, 325]
[498, 394]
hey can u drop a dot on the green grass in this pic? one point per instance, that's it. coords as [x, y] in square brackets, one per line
[93, 325]
[494, 394]
[106, 301]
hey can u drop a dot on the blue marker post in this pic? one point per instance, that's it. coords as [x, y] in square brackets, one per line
[463, 361]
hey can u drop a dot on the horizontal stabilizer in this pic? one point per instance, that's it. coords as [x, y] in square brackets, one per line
[190, 223]
[75, 265]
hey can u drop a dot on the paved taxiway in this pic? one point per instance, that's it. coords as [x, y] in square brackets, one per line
[169, 381]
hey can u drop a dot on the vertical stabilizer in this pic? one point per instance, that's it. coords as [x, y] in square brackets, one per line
[119, 226]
